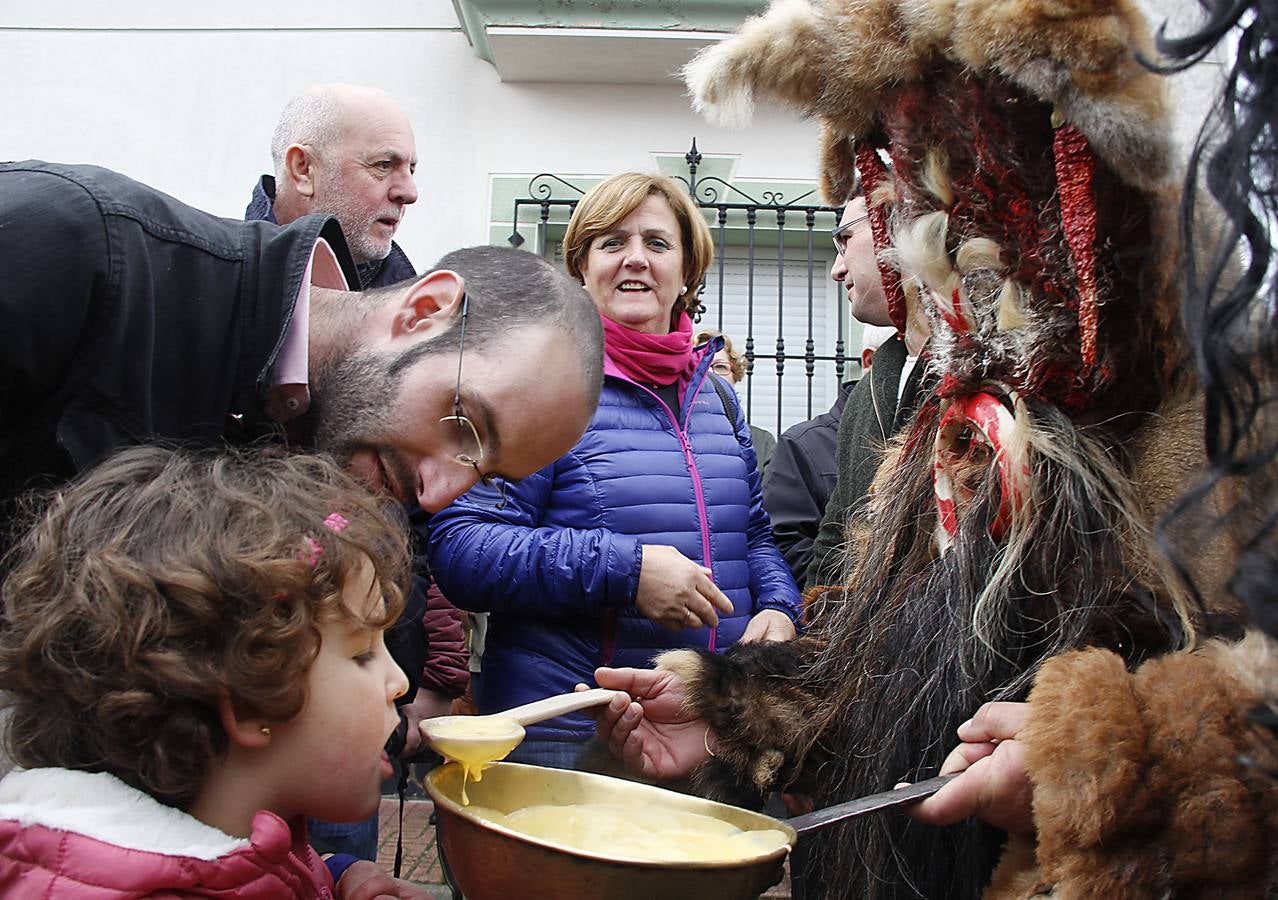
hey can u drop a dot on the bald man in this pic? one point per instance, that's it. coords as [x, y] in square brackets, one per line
[346, 151]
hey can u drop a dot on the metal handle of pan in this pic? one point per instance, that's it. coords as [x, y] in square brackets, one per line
[862, 805]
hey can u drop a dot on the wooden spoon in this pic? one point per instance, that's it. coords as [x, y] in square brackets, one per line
[475, 741]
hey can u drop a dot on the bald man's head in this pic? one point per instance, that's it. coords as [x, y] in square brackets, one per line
[348, 151]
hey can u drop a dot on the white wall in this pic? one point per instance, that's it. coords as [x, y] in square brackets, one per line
[184, 96]
[185, 99]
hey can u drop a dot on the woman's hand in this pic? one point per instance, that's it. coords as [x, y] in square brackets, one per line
[769, 625]
[676, 592]
[994, 785]
[653, 734]
[363, 880]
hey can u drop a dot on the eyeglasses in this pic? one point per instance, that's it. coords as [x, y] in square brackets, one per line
[843, 233]
[468, 449]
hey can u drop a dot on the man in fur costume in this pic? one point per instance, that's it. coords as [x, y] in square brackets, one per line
[1034, 226]
[1161, 781]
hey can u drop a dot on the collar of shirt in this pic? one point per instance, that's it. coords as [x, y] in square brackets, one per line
[289, 395]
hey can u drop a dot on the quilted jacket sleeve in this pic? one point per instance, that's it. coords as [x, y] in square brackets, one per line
[487, 559]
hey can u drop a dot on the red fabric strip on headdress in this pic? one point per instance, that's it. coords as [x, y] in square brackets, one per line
[1074, 168]
[872, 172]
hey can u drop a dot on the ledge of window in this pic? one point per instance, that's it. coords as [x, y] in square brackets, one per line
[596, 41]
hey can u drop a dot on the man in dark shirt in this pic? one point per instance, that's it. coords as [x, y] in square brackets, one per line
[130, 317]
[881, 402]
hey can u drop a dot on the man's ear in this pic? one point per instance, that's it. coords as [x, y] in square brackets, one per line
[431, 302]
[300, 168]
[247, 731]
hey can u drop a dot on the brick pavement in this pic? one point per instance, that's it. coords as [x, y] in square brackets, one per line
[421, 862]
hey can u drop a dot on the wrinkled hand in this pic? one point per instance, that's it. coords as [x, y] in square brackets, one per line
[994, 785]
[676, 592]
[363, 880]
[769, 625]
[426, 705]
[653, 734]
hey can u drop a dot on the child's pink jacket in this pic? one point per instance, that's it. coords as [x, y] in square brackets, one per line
[66, 834]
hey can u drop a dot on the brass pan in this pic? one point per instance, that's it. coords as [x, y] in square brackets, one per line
[491, 862]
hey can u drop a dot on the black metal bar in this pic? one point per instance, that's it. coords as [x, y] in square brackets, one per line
[809, 345]
[780, 344]
[751, 216]
[723, 257]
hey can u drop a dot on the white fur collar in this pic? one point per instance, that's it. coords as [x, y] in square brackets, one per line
[102, 806]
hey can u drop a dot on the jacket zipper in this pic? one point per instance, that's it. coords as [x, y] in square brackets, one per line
[697, 489]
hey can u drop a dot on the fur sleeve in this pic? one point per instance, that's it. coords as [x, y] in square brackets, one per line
[1153, 783]
[761, 714]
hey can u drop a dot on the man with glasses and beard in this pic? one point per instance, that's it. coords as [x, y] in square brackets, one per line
[129, 317]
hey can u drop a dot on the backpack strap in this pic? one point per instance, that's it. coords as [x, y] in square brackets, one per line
[727, 397]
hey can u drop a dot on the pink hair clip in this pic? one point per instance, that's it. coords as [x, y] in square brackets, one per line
[334, 522]
[316, 550]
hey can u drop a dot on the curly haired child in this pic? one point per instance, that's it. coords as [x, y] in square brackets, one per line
[192, 649]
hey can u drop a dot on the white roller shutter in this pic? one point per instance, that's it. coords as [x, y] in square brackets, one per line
[784, 304]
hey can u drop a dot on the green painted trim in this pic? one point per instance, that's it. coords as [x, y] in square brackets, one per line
[473, 27]
[735, 230]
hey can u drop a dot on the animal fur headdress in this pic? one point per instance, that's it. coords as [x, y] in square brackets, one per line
[1031, 218]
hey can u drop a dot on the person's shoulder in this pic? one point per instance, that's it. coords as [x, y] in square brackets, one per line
[823, 422]
[74, 191]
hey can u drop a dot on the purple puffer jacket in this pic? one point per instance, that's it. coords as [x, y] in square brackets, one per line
[558, 567]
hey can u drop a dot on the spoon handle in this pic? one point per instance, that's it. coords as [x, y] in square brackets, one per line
[539, 710]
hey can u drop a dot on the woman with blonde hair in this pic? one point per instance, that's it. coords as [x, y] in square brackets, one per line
[648, 535]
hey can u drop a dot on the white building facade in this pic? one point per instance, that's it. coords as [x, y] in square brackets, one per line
[185, 96]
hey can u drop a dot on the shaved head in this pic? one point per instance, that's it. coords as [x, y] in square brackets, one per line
[348, 151]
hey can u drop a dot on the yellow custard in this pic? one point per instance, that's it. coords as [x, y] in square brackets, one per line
[474, 742]
[638, 833]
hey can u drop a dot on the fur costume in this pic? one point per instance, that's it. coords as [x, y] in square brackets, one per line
[1033, 222]
[1150, 784]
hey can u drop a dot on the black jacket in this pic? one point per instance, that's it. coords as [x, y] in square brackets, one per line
[869, 419]
[798, 482]
[129, 316]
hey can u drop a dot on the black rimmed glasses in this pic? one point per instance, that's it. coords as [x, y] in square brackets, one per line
[468, 449]
[843, 233]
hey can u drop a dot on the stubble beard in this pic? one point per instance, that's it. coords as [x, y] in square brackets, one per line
[349, 395]
[356, 222]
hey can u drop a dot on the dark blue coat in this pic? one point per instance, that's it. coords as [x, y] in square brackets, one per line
[375, 273]
[558, 567]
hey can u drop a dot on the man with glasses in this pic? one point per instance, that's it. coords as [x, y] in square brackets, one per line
[804, 470]
[880, 403]
[129, 317]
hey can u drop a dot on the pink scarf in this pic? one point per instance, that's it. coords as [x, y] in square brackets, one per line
[652, 358]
